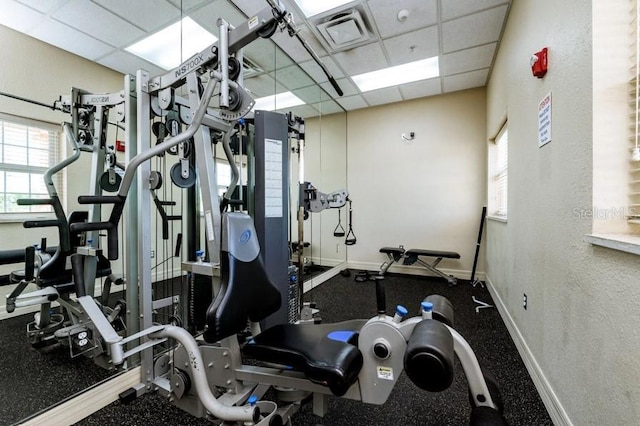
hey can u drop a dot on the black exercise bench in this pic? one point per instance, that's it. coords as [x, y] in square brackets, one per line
[411, 256]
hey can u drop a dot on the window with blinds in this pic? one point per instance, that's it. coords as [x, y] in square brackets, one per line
[501, 173]
[634, 168]
[27, 149]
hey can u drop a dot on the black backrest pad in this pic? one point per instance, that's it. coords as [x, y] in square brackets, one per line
[246, 292]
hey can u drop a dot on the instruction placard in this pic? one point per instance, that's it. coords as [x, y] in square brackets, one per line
[544, 121]
[273, 202]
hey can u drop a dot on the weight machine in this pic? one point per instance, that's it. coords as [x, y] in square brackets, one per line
[68, 322]
[358, 359]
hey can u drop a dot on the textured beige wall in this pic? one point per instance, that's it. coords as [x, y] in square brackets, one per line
[426, 193]
[581, 323]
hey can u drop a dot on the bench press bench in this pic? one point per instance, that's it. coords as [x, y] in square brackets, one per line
[411, 256]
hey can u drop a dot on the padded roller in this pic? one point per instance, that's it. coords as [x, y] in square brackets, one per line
[442, 309]
[486, 416]
[428, 360]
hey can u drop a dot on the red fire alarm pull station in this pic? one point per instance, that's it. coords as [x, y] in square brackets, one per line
[539, 63]
[120, 146]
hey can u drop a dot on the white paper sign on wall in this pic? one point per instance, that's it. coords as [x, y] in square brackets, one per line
[544, 121]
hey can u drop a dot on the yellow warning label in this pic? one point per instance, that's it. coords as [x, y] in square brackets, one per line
[385, 373]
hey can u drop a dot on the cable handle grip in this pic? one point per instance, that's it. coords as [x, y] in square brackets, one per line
[101, 199]
[29, 263]
[34, 201]
[41, 223]
[77, 268]
[335, 85]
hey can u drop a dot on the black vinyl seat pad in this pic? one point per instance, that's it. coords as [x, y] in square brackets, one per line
[392, 250]
[433, 253]
[326, 354]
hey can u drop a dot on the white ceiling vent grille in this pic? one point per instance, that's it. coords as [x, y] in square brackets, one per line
[344, 31]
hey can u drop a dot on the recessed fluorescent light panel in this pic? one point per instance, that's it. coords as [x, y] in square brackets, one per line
[400, 74]
[314, 7]
[279, 101]
[163, 48]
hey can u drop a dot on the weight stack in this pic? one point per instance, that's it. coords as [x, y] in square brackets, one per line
[294, 301]
[200, 297]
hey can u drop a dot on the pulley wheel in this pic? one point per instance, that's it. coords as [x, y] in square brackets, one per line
[178, 180]
[109, 186]
[155, 180]
[159, 130]
[235, 99]
[234, 68]
[268, 31]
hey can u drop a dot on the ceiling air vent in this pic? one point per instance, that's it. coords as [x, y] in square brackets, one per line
[345, 30]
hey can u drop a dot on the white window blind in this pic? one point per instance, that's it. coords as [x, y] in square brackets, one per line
[634, 168]
[27, 150]
[501, 172]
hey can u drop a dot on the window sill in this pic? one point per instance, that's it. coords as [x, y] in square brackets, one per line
[622, 242]
[502, 219]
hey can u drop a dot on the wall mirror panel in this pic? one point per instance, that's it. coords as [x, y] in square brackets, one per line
[43, 377]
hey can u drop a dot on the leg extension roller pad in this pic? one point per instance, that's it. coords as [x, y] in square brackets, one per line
[429, 358]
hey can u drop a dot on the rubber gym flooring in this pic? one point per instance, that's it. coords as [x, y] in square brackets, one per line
[342, 298]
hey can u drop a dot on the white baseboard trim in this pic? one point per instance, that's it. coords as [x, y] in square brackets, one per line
[319, 279]
[549, 398]
[88, 402]
[414, 270]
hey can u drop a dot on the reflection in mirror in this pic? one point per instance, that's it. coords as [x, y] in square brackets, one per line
[45, 376]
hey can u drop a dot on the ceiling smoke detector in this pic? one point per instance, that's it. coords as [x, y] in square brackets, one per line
[344, 31]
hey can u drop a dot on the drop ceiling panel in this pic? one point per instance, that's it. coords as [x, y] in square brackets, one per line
[362, 59]
[292, 77]
[382, 96]
[328, 107]
[420, 44]
[464, 81]
[310, 95]
[64, 37]
[345, 84]
[421, 89]
[304, 111]
[314, 70]
[41, 6]
[352, 102]
[149, 15]
[204, 16]
[422, 13]
[465, 38]
[84, 15]
[473, 30]
[187, 5]
[263, 85]
[468, 59]
[250, 7]
[294, 48]
[456, 8]
[20, 17]
[125, 62]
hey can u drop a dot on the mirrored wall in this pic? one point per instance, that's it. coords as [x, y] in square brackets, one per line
[42, 377]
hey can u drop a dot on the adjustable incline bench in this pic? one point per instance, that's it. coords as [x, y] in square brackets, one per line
[411, 256]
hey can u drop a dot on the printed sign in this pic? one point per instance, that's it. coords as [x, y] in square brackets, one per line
[385, 373]
[544, 121]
